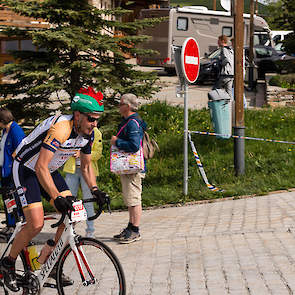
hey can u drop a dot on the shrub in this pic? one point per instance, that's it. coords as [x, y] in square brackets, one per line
[285, 81]
[286, 66]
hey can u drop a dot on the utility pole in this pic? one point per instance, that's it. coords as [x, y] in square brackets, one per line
[239, 128]
[256, 9]
[251, 57]
[214, 4]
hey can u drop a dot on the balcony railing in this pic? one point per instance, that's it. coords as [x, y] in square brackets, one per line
[9, 18]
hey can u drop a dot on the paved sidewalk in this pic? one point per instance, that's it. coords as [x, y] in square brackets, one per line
[244, 246]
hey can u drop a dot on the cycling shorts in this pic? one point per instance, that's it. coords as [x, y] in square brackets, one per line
[29, 188]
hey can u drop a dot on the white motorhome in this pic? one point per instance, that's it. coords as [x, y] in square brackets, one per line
[198, 22]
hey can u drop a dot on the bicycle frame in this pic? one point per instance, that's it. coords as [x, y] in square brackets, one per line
[68, 237]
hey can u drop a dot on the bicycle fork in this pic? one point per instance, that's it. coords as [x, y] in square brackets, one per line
[80, 255]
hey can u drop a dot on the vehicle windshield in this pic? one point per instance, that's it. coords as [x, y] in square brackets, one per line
[214, 54]
[262, 38]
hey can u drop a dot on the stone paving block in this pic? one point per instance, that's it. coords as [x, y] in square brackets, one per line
[235, 247]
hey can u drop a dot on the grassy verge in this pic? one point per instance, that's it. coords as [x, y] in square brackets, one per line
[268, 166]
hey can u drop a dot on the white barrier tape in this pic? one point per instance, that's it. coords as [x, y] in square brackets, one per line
[242, 137]
[201, 168]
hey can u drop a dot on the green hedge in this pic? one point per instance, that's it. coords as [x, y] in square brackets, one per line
[285, 81]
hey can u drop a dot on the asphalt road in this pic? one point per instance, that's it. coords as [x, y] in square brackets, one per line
[197, 94]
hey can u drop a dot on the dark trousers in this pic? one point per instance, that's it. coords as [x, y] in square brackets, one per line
[7, 182]
[224, 83]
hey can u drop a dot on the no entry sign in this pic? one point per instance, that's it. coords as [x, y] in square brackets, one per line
[190, 59]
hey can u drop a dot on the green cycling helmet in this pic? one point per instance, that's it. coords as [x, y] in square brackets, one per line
[86, 100]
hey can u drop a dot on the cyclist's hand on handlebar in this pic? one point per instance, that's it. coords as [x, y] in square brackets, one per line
[63, 205]
[102, 197]
[71, 199]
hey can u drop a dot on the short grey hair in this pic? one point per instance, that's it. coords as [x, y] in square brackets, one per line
[131, 99]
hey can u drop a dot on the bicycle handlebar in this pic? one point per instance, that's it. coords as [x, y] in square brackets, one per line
[11, 191]
[62, 218]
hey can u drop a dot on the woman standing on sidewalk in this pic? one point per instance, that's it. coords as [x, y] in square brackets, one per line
[129, 140]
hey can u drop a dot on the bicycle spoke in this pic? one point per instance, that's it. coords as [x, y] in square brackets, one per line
[101, 270]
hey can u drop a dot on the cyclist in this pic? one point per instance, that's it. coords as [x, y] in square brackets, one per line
[35, 173]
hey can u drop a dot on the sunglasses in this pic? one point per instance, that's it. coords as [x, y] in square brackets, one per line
[90, 119]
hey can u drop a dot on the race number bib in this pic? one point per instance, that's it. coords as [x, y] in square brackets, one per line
[80, 213]
[10, 205]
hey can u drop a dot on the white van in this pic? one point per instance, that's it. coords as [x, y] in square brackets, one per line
[279, 36]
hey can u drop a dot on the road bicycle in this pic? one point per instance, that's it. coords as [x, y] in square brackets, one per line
[92, 265]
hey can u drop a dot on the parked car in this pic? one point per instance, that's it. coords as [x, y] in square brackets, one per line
[209, 67]
[265, 58]
[280, 48]
[279, 36]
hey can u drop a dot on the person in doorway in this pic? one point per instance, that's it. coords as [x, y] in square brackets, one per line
[74, 177]
[129, 140]
[226, 65]
[12, 135]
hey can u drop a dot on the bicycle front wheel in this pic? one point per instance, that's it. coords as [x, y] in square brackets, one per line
[100, 271]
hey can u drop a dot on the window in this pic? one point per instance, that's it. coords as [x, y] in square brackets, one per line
[263, 52]
[9, 45]
[227, 31]
[182, 23]
[215, 54]
[261, 39]
[27, 45]
[277, 38]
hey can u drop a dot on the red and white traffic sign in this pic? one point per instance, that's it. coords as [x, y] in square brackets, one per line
[190, 59]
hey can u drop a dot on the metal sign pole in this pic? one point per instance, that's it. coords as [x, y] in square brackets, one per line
[183, 93]
[185, 140]
[187, 66]
[239, 128]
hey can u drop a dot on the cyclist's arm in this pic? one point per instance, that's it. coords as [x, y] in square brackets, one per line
[43, 173]
[87, 170]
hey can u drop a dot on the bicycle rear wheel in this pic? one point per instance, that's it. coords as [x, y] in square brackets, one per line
[101, 268]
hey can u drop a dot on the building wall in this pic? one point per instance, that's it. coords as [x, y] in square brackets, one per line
[103, 4]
